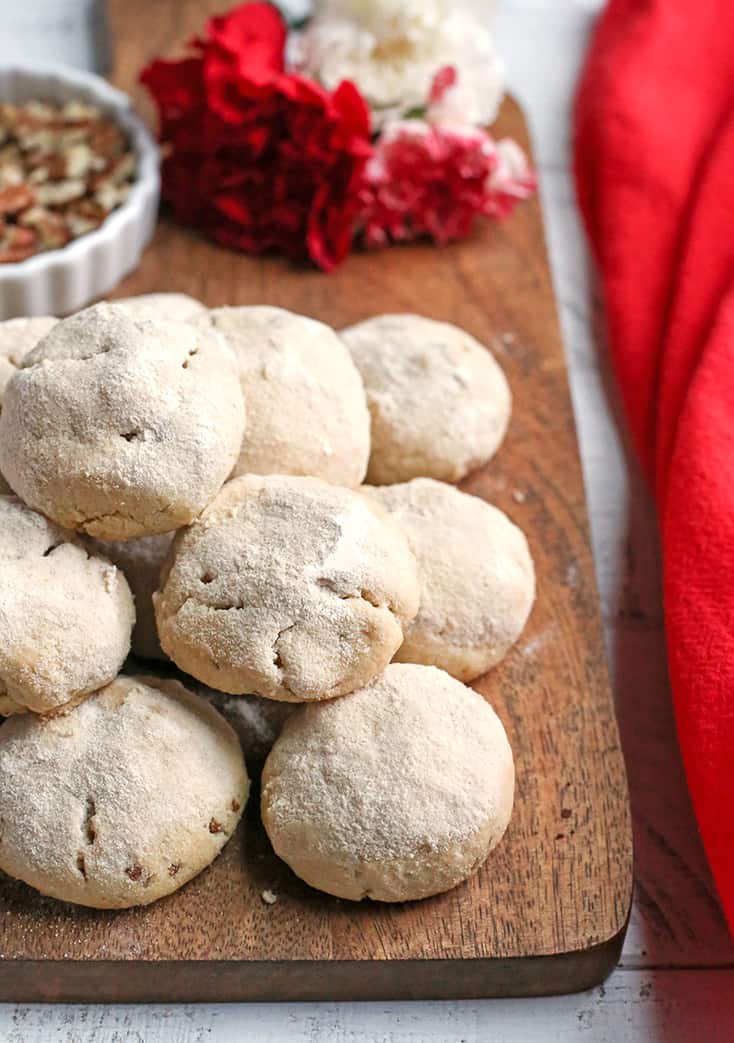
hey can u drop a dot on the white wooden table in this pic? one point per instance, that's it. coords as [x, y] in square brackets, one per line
[675, 983]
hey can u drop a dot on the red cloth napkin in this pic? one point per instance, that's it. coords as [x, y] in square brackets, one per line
[654, 161]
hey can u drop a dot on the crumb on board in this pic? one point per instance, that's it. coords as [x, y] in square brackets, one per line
[269, 897]
[519, 496]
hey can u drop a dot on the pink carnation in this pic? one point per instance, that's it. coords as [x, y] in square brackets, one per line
[434, 178]
[423, 180]
[511, 181]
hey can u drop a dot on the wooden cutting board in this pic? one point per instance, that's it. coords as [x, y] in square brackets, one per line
[547, 912]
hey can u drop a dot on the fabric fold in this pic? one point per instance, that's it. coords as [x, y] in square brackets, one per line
[654, 165]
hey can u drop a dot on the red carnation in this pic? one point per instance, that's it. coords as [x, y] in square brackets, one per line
[257, 158]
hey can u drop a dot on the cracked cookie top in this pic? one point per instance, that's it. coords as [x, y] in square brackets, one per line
[289, 588]
[65, 614]
[154, 783]
[121, 427]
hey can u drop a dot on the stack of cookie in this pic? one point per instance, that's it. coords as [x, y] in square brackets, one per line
[188, 483]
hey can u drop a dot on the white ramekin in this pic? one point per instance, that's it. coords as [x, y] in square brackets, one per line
[64, 280]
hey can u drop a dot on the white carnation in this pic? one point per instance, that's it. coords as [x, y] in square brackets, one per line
[391, 50]
[457, 105]
[383, 16]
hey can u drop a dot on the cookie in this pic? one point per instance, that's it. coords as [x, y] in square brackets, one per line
[119, 427]
[395, 792]
[439, 403]
[153, 783]
[287, 587]
[307, 412]
[17, 337]
[477, 576]
[65, 615]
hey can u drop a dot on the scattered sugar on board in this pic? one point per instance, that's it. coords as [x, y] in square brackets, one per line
[535, 644]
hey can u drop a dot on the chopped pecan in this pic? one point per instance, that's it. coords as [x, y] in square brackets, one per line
[53, 230]
[63, 169]
[16, 198]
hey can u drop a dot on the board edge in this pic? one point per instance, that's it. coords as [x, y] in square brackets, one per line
[231, 981]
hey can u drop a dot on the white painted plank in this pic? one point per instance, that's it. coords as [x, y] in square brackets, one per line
[71, 31]
[634, 1007]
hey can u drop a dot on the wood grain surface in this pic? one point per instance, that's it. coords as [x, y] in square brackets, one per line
[548, 910]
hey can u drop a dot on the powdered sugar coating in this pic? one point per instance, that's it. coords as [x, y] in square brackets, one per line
[17, 338]
[439, 403]
[119, 427]
[287, 587]
[141, 561]
[395, 792]
[123, 799]
[65, 615]
[477, 576]
[307, 412]
[161, 306]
